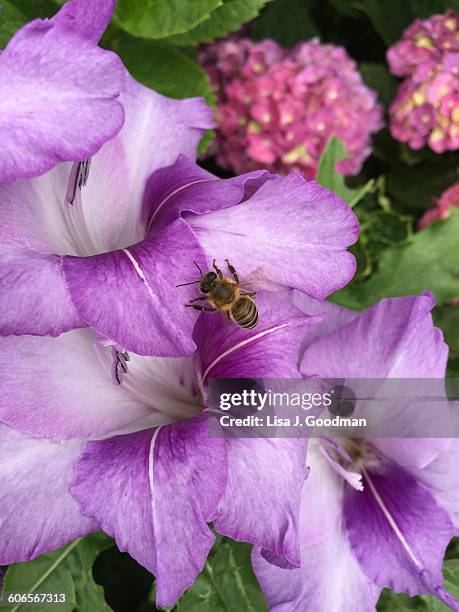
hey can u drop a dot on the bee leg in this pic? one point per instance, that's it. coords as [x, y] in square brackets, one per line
[232, 269]
[217, 270]
[201, 298]
[251, 295]
[202, 308]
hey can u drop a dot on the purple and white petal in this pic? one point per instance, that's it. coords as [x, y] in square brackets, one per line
[46, 72]
[397, 531]
[185, 187]
[395, 339]
[441, 477]
[321, 497]
[59, 388]
[37, 512]
[270, 350]
[34, 215]
[130, 296]
[156, 131]
[33, 295]
[333, 317]
[155, 491]
[330, 579]
[168, 385]
[261, 503]
[107, 212]
[87, 18]
[286, 222]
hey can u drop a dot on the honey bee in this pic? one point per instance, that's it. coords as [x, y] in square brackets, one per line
[224, 294]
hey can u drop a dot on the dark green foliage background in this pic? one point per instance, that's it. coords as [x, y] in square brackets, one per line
[157, 40]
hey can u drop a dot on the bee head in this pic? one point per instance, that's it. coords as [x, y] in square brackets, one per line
[207, 282]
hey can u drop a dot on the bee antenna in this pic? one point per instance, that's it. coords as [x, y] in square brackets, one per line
[186, 284]
[200, 271]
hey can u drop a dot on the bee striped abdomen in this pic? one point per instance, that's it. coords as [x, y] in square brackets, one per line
[245, 313]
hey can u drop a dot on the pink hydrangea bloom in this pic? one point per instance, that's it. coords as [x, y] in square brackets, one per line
[278, 108]
[426, 108]
[447, 200]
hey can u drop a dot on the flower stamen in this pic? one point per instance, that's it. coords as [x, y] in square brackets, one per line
[77, 180]
[119, 365]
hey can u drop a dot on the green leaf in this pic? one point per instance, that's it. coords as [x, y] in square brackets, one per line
[15, 15]
[395, 602]
[427, 260]
[11, 19]
[165, 69]
[451, 574]
[415, 187]
[329, 178]
[67, 570]
[381, 229]
[447, 318]
[452, 370]
[347, 7]
[287, 21]
[227, 583]
[452, 551]
[161, 18]
[378, 77]
[225, 19]
[389, 17]
[126, 583]
[426, 8]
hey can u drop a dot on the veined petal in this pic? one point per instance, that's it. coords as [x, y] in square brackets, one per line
[34, 216]
[333, 317]
[395, 338]
[397, 531]
[130, 296]
[57, 388]
[46, 71]
[185, 187]
[37, 512]
[33, 295]
[269, 519]
[322, 498]
[286, 222]
[155, 491]
[270, 350]
[107, 212]
[87, 18]
[441, 477]
[329, 580]
[156, 131]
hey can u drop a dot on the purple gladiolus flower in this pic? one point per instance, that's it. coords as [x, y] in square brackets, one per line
[135, 458]
[379, 512]
[58, 91]
[113, 259]
[120, 437]
[104, 242]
